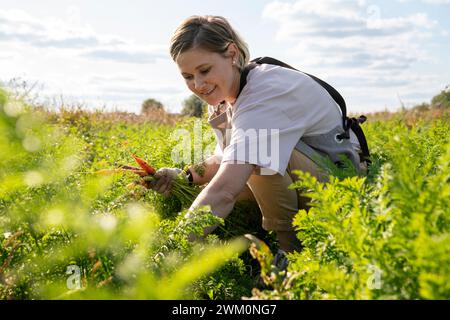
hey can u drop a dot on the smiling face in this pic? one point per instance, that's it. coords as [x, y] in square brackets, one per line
[210, 75]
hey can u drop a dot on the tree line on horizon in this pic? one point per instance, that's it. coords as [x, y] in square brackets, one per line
[193, 106]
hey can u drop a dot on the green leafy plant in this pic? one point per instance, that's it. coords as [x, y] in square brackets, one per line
[69, 234]
[381, 237]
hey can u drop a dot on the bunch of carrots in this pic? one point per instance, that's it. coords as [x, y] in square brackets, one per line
[180, 186]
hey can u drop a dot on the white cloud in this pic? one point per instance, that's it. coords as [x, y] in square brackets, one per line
[124, 54]
[438, 2]
[19, 26]
[354, 45]
[338, 19]
[70, 59]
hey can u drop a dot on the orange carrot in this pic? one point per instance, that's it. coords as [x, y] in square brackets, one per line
[139, 172]
[144, 165]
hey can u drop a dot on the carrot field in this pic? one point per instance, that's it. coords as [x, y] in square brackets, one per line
[67, 232]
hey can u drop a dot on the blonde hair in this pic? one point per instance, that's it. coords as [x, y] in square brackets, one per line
[212, 33]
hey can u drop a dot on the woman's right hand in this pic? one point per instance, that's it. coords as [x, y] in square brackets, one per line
[163, 180]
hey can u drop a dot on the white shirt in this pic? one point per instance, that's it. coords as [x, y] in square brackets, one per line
[274, 110]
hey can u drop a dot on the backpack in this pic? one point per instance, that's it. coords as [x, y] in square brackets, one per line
[347, 123]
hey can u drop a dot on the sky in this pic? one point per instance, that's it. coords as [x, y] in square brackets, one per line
[112, 55]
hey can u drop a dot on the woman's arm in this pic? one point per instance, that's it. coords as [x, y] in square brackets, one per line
[204, 172]
[223, 190]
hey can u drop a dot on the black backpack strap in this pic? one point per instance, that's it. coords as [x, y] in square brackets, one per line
[244, 75]
[356, 128]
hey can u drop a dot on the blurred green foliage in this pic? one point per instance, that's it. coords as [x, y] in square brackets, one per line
[384, 236]
[68, 233]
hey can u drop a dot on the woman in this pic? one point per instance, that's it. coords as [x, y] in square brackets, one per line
[259, 119]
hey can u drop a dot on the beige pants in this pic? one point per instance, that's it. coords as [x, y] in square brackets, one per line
[277, 203]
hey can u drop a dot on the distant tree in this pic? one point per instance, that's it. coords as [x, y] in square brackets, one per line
[422, 107]
[194, 107]
[442, 100]
[150, 105]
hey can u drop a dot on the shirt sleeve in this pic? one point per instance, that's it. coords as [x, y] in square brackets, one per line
[218, 152]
